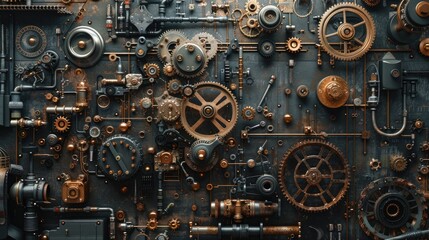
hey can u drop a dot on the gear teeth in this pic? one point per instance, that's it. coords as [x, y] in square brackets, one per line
[152, 70]
[207, 40]
[252, 6]
[370, 31]
[166, 40]
[190, 75]
[294, 45]
[62, 124]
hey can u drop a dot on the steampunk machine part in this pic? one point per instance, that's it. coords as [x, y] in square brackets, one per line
[314, 175]
[221, 119]
[346, 31]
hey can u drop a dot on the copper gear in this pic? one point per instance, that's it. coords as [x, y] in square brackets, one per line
[314, 175]
[152, 70]
[390, 207]
[372, 3]
[174, 224]
[249, 25]
[209, 43]
[398, 163]
[293, 45]
[62, 124]
[211, 111]
[168, 70]
[252, 6]
[351, 47]
[167, 42]
[248, 113]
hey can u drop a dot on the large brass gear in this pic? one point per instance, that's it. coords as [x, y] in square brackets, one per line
[209, 43]
[167, 42]
[252, 6]
[211, 111]
[249, 25]
[294, 45]
[390, 207]
[62, 124]
[314, 175]
[346, 31]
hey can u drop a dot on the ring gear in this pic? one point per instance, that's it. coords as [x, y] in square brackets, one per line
[62, 124]
[390, 207]
[314, 175]
[351, 46]
[167, 42]
[248, 113]
[209, 43]
[398, 163]
[252, 6]
[294, 45]
[189, 59]
[152, 70]
[211, 111]
[249, 25]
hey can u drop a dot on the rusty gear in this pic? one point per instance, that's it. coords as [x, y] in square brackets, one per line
[372, 3]
[293, 45]
[174, 86]
[390, 207]
[152, 70]
[167, 42]
[398, 163]
[252, 6]
[346, 31]
[210, 111]
[209, 43]
[248, 113]
[249, 25]
[168, 107]
[168, 70]
[314, 175]
[174, 224]
[375, 164]
[62, 124]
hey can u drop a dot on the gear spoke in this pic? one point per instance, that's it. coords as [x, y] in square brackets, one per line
[194, 106]
[197, 124]
[358, 24]
[200, 98]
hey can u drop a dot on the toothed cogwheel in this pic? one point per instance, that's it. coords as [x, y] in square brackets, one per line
[209, 43]
[249, 25]
[248, 113]
[174, 224]
[346, 31]
[152, 70]
[167, 42]
[210, 111]
[168, 70]
[372, 3]
[398, 163]
[293, 45]
[252, 6]
[314, 175]
[189, 59]
[375, 164]
[174, 86]
[62, 124]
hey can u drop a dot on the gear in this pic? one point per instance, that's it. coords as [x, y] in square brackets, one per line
[390, 207]
[266, 48]
[346, 31]
[314, 175]
[152, 70]
[209, 43]
[293, 45]
[168, 70]
[62, 124]
[30, 71]
[167, 42]
[189, 59]
[174, 224]
[249, 25]
[252, 6]
[248, 113]
[174, 86]
[398, 163]
[375, 164]
[372, 3]
[210, 111]
[31, 41]
[168, 107]
[333, 91]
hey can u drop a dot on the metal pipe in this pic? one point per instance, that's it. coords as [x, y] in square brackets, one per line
[411, 235]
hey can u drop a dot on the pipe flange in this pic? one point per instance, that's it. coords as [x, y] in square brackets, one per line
[84, 46]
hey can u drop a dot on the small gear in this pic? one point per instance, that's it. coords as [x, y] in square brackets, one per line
[249, 25]
[372, 3]
[167, 42]
[152, 70]
[168, 107]
[346, 31]
[168, 70]
[398, 163]
[248, 113]
[31, 41]
[209, 43]
[62, 124]
[174, 224]
[294, 45]
[189, 59]
[252, 6]
[266, 48]
[375, 164]
[174, 86]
